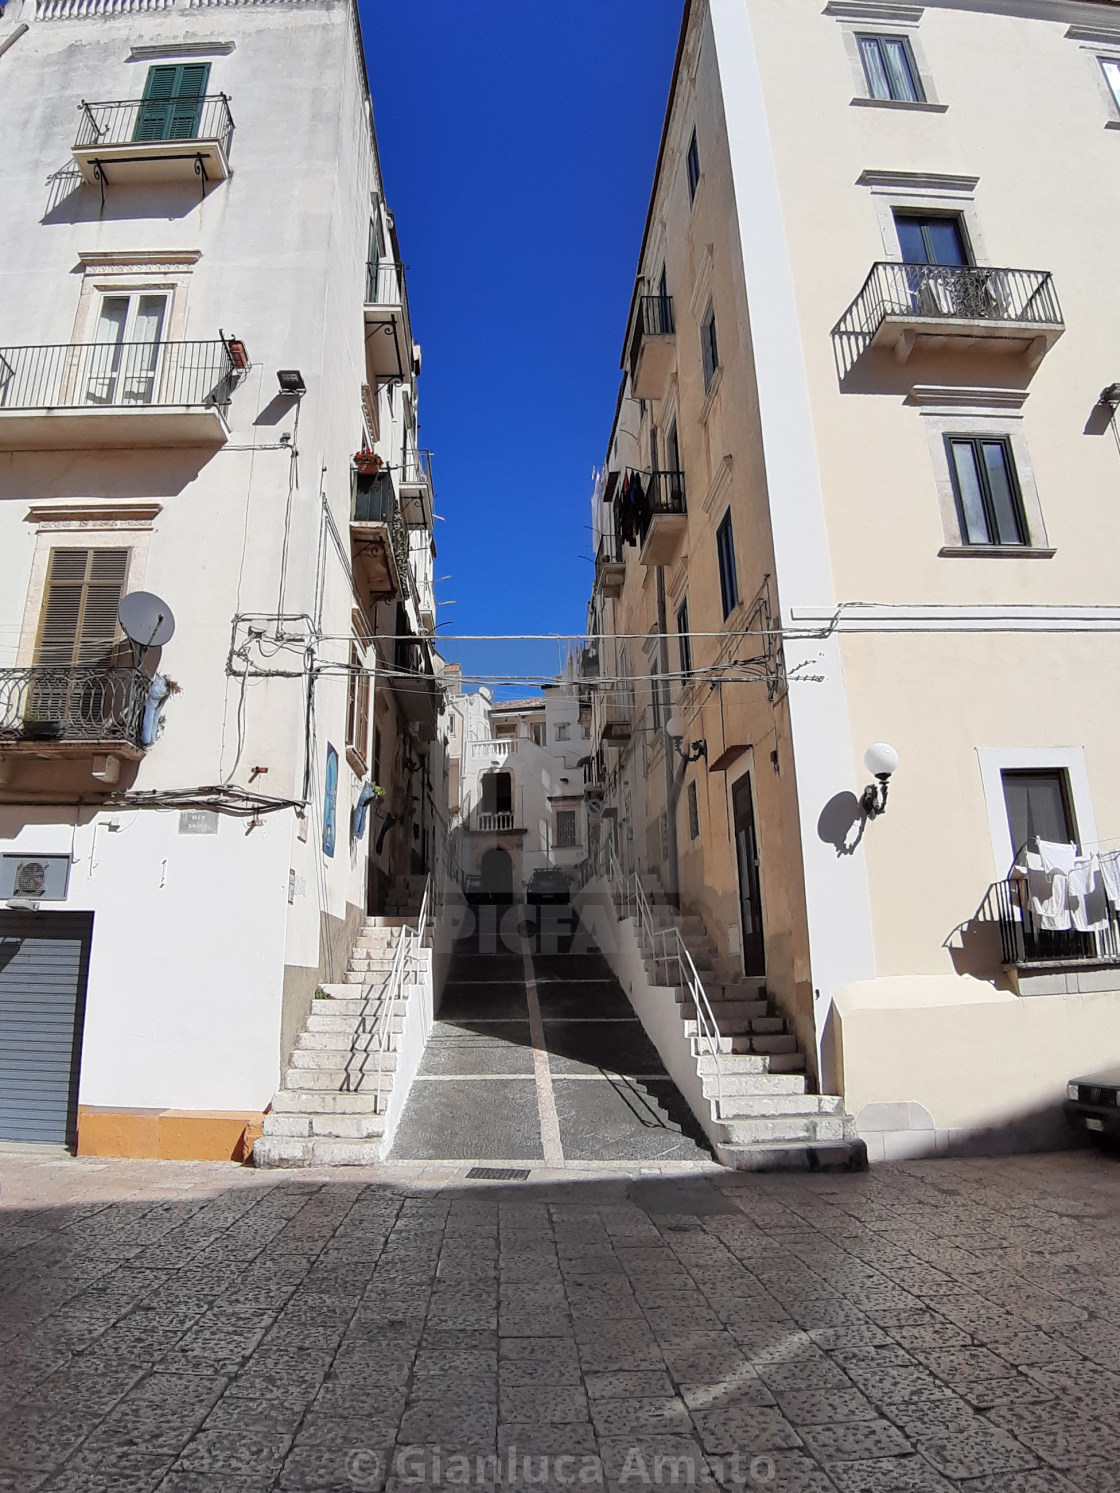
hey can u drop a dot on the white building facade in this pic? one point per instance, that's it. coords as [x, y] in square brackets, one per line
[207, 393]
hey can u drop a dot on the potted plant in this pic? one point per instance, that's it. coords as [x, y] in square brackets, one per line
[366, 464]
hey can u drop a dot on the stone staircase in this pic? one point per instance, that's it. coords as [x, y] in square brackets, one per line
[405, 896]
[763, 1115]
[330, 1108]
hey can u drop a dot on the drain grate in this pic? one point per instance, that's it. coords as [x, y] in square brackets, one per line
[499, 1173]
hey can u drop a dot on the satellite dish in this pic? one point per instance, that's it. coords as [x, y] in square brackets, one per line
[146, 619]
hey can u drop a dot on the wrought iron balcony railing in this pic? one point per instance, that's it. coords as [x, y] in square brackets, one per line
[115, 375]
[374, 501]
[1025, 941]
[384, 284]
[143, 122]
[80, 703]
[653, 317]
[950, 293]
[664, 492]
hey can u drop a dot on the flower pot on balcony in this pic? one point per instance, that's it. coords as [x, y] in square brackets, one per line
[367, 465]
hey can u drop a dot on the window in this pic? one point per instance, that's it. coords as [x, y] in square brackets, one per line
[692, 163]
[888, 65]
[78, 625]
[655, 696]
[172, 102]
[673, 449]
[986, 485]
[709, 348]
[693, 812]
[537, 732]
[561, 731]
[931, 240]
[357, 709]
[1111, 69]
[123, 364]
[684, 640]
[1038, 807]
[451, 724]
[565, 829]
[728, 578]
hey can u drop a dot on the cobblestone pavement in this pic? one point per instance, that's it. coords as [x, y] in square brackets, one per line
[206, 1329]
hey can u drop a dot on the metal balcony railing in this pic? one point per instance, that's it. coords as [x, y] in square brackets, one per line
[949, 292]
[115, 375]
[79, 703]
[1025, 941]
[374, 501]
[653, 317]
[610, 550]
[415, 468]
[143, 122]
[384, 284]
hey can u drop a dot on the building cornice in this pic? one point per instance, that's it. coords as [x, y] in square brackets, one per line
[139, 259]
[865, 617]
[918, 181]
[182, 49]
[876, 11]
[955, 396]
[93, 515]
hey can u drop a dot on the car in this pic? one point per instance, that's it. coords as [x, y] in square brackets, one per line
[1093, 1104]
[547, 884]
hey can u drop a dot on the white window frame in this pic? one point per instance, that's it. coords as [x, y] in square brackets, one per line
[994, 761]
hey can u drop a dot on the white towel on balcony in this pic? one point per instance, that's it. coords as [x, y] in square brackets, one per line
[1056, 856]
[1048, 897]
[1088, 906]
[1110, 874]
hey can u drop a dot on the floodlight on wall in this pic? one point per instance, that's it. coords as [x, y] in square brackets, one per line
[291, 382]
[674, 729]
[881, 760]
[1111, 395]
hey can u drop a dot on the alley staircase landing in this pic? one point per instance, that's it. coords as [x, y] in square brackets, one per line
[333, 1098]
[759, 1109]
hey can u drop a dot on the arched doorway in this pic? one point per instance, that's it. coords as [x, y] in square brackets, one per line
[497, 875]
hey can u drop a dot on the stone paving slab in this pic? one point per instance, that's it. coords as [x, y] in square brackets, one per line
[930, 1326]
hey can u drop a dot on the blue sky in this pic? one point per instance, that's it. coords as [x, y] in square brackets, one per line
[518, 140]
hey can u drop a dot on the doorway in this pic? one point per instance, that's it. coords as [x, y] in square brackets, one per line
[497, 876]
[750, 891]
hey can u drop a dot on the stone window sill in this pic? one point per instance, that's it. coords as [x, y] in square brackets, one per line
[892, 103]
[996, 551]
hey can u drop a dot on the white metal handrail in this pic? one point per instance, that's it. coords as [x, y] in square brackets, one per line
[673, 949]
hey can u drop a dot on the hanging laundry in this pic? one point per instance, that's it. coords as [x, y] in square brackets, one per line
[1087, 902]
[1110, 874]
[1056, 856]
[1048, 895]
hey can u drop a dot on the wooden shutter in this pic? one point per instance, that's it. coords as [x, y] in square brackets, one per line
[79, 619]
[172, 100]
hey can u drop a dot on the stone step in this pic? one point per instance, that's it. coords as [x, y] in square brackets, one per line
[734, 1026]
[329, 1022]
[729, 1063]
[736, 1084]
[342, 1127]
[344, 1041]
[333, 1080]
[753, 1010]
[784, 1043]
[773, 1106]
[384, 922]
[302, 1102]
[753, 1130]
[796, 1156]
[739, 990]
[320, 1151]
[305, 1058]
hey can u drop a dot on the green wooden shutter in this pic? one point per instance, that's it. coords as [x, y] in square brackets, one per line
[79, 621]
[172, 102]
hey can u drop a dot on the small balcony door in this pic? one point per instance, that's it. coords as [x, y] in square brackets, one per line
[125, 361]
[931, 240]
[172, 102]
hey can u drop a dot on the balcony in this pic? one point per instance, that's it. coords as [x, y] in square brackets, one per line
[493, 747]
[378, 538]
[610, 567]
[611, 712]
[414, 686]
[1052, 963]
[416, 488]
[388, 332]
[72, 711]
[652, 345]
[661, 518]
[142, 140]
[77, 396]
[940, 307]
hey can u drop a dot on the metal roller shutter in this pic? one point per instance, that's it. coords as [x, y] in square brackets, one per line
[44, 964]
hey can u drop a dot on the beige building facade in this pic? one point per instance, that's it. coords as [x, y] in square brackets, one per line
[861, 487]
